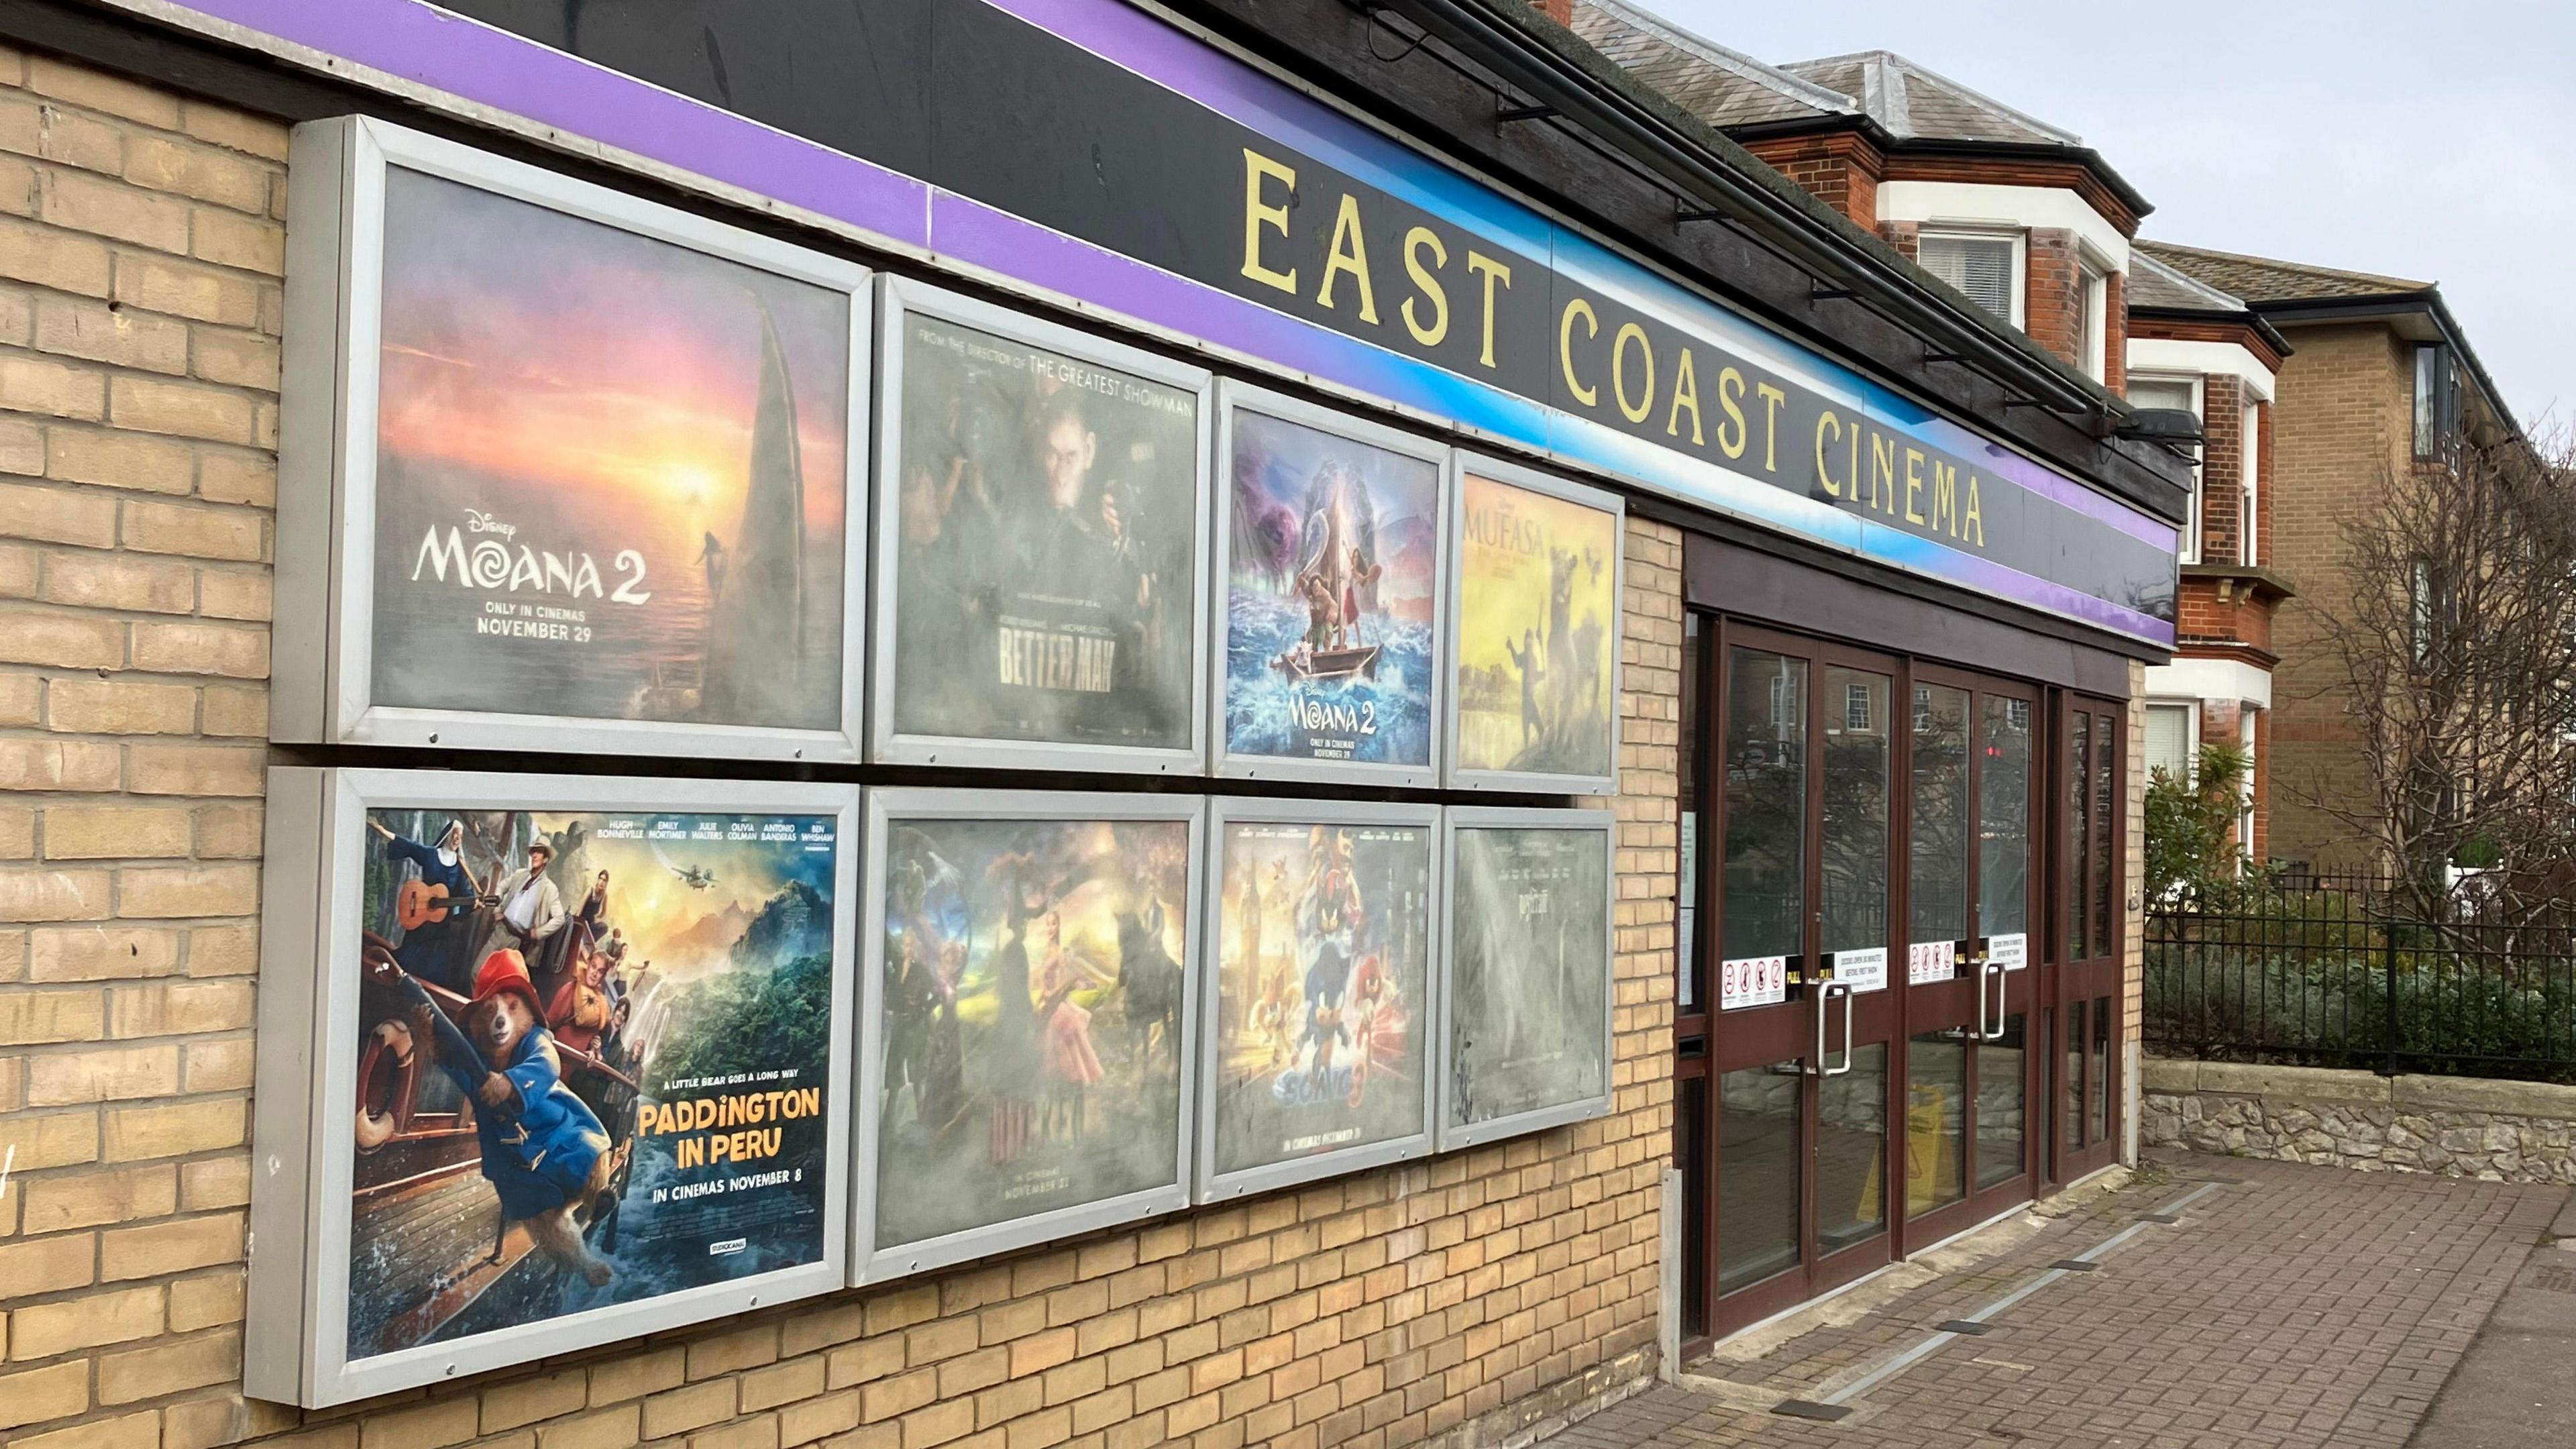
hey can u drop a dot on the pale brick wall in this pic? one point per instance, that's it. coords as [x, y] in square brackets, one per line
[140, 248]
[1462, 1298]
[2343, 420]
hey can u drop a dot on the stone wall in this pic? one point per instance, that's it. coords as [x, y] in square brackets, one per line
[2496, 1131]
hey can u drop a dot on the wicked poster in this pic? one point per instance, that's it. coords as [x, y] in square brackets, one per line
[1043, 577]
[1529, 982]
[1331, 595]
[1030, 1020]
[1323, 939]
[595, 1056]
[610, 471]
[1537, 632]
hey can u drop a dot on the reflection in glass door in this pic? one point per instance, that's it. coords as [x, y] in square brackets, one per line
[1970, 1000]
[1799, 1049]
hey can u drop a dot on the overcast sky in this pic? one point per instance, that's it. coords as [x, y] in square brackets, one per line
[2430, 141]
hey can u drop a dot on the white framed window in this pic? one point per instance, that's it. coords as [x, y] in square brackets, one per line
[2173, 740]
[2245, 715]
[2092, 318]
[2249, 542]
[2182, 394]
[1985, 265]
[1856, 709]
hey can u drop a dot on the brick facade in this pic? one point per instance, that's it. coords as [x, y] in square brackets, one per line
[140, 253]
[1455, 1300]
[2343, 422]
[1839, 168]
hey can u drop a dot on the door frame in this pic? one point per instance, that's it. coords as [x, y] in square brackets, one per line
[2096, 981]
[1758, 1036]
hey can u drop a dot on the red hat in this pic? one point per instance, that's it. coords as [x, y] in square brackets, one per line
[507, 970]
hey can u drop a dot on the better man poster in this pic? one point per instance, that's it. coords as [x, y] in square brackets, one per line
[1046, 546]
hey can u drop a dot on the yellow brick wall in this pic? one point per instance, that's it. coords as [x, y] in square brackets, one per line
[140, 248]
[140, 241]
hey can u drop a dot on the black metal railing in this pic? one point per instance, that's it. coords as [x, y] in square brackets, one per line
[2341, 974]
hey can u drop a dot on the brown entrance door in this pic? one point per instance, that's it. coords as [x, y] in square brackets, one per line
[1972, 1069]
[2087, 914]
[1784, 1110]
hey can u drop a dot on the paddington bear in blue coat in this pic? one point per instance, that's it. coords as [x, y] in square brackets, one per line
[544, 1151]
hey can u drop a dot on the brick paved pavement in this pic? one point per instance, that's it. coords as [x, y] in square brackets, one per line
[2305, 1308]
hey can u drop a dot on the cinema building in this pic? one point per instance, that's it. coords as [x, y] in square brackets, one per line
[1009, 722]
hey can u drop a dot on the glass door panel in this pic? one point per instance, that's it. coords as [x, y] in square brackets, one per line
[2090, 758]
[1937, 855]
[1763, 892]
[1759, 1168]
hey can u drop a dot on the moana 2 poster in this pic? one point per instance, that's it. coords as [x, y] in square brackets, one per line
[1333, 575]
[610, 472]
[1324, 932]
[1046, 536]
[1538, 632]
[1529, 970]
[1031, 1018]
[594, 1062]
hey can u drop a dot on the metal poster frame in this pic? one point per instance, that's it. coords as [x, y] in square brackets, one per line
[900, 298]
[870, 1263]
[1481, 817]
[296, 1349]
[1485, 465]
[1213, 1185]
[1234, 397]
[326, 510]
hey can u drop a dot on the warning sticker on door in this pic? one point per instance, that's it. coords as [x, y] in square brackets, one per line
[1752, 981]
[1930, 961]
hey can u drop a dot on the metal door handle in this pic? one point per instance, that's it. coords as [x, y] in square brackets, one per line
[1848, 998]
[1825, 994]
[1995, 973]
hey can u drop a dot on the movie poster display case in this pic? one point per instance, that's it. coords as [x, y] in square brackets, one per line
[1025, 1050]
[545, 1062]
[1526, 995]
[1041, 533]
[561, 469]
[1537, 565]
[1316, 1010]
[1331, 563]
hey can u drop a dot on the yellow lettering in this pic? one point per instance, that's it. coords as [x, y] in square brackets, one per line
[1348, 256]
[1685, 395]
[1730, 433]
[1945, 496]
[1882, 469]
[1492, 271]
[1619, 372]
[1258, 169]
[1913, 483]
[1826, 421]
[1772, 397]
[1971, 523]
[1414, 241]
[1589, 397]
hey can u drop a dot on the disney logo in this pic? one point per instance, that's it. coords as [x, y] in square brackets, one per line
[478, 521]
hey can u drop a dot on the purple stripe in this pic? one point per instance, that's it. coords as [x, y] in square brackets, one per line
[480, 64]
[509, 73]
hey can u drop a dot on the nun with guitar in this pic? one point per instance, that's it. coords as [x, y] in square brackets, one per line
[437, 911]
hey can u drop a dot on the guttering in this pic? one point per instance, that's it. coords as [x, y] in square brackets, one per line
[2377, 305]
[2254, 322]
[1817, 243]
